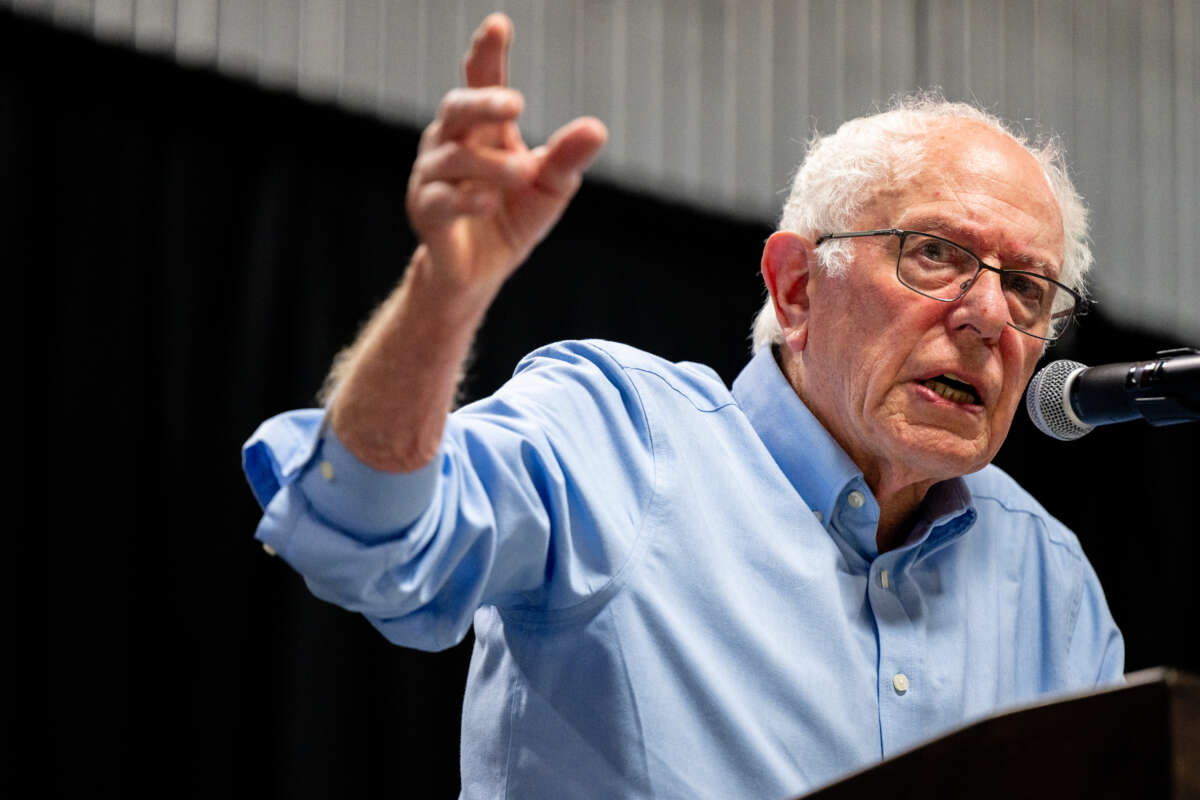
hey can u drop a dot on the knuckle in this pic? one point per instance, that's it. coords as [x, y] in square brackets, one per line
[433, 198]
[422, 164]
[451, 101]
[448, 155]
[431, 133]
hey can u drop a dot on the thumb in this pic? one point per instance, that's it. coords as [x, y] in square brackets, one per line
[568, 153]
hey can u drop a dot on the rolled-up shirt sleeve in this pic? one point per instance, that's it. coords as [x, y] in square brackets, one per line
[534, 499]
[297, 447]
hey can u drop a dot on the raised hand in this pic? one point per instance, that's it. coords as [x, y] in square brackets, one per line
[479, 198]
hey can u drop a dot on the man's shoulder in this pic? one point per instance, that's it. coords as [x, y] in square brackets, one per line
[599, 359]
[997, 494]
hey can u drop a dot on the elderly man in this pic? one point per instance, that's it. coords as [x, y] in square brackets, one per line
[682, 590]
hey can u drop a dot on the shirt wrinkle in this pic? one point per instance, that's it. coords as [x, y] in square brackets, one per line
[532, 613]
[1053, 534]
[699, 630]
[680, 392]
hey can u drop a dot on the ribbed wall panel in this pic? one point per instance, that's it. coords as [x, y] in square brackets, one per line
[711, 101]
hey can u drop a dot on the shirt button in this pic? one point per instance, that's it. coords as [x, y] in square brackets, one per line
[268, 549]
[900, 683]
[856, 499]
[819, 516]
[327, 470]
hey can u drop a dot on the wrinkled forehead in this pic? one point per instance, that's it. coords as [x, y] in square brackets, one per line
[980, 149]
[980, 179]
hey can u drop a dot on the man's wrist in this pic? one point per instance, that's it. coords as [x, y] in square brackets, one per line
[400, 381]
[446, 301]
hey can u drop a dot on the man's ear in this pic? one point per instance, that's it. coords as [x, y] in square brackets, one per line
[787, 262]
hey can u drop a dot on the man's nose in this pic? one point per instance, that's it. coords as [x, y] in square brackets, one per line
[984, 306]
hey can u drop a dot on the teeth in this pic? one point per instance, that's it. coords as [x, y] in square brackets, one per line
[953, 395]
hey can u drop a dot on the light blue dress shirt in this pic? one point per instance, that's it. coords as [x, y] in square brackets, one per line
[675, 588]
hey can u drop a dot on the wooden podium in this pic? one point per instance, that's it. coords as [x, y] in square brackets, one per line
[1141, 740]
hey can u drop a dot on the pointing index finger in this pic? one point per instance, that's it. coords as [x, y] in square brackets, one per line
[486, 63]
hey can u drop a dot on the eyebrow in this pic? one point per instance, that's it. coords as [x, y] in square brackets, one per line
[955, 232]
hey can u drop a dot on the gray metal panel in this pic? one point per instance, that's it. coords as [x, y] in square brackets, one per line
[986, 57]
[681, 98]
[362, 53]
[716, 93]
[755, 186]
[1186, 79]
[34, 8]
[239, 35]
[945, 51]
[526, 60]
[196, 31]
[711, 101]
[154, 25]
[113, 19]
[601, 67]
[403, 68]
[279, 48]
[1157, 265]
[1053, 67]
[444, 33]
[643, 138]
[1018, 34]
[789, 92]
[826, 96]
[561, 65]
[861, 32]
[1118, 245]
[1092, 142]
[321, 26]
[73, 12]
[898, 60]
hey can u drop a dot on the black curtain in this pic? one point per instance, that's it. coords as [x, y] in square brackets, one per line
[190, 252]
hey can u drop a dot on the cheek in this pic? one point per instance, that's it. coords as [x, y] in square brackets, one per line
[862, 335]
[1020, 355]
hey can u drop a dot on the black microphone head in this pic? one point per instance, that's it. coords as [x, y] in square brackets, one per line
[1048, 404]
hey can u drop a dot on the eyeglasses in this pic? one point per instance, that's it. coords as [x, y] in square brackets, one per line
[944, 271]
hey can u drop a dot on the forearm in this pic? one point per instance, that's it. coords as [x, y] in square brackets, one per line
[396, 384]
[479, 201]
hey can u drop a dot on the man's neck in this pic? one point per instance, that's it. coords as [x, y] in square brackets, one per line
[896, 514]
[898, 492]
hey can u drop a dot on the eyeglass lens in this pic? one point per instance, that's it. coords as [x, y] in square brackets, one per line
[944, 271]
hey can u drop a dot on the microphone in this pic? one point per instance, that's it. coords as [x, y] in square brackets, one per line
[1066, 399]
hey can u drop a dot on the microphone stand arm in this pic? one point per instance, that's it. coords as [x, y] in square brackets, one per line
[1163, 391]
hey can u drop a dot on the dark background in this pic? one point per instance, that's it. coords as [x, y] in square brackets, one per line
[189, 253]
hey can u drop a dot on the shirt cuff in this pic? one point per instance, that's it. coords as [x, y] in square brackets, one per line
[358, 498]
[281, 447]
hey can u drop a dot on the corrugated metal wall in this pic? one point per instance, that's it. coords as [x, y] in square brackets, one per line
[712, 100]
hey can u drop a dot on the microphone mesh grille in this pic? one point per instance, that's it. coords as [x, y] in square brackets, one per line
[1046, 401]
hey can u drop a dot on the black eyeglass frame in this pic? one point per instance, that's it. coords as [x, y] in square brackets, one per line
[1077, 310]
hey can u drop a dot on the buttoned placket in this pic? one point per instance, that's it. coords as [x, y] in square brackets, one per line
[856, 519]
[900, 660]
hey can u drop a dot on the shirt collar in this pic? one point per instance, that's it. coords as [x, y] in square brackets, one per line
[811, 459]
[824, 476]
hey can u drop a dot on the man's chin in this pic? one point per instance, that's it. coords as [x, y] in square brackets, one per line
[940, 453]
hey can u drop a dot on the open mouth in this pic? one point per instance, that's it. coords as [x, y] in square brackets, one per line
[952, 388]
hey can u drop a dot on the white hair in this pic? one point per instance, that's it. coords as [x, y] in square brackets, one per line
[840, 173]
